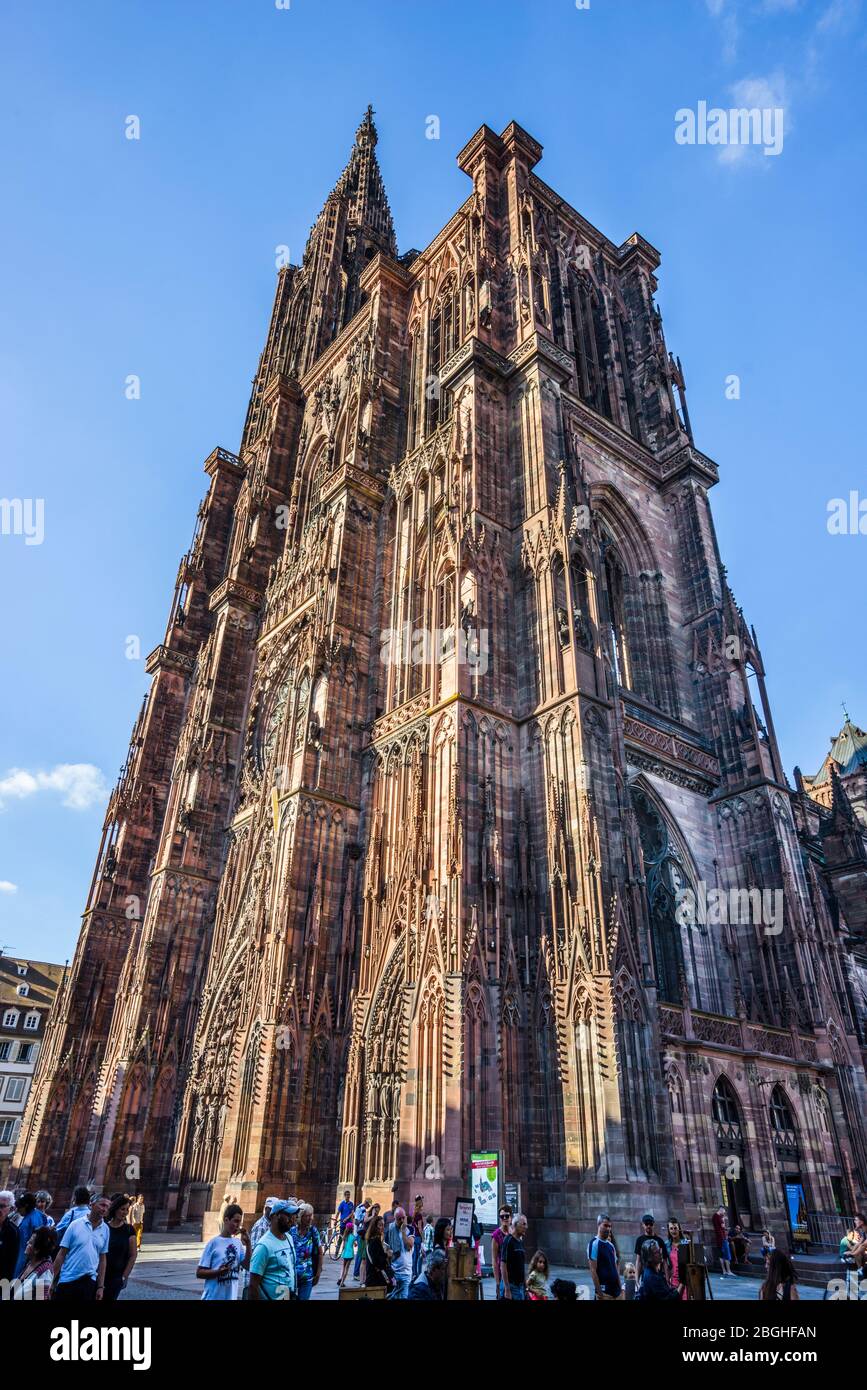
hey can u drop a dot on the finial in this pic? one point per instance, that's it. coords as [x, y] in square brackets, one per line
[366, 133]
[845, 711]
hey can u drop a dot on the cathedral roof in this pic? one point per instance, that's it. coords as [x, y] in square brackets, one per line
[848, 751]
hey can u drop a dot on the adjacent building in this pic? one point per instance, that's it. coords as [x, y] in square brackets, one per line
[27, 991]
[455, 819]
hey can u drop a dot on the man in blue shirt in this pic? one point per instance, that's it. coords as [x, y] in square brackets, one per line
[79, 1268]
[602, 1257]
[345, 1211]
[31, 1219]
[80, 1207]
[273, 1275]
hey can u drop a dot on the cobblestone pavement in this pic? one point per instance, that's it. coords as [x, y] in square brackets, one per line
[166, 1269]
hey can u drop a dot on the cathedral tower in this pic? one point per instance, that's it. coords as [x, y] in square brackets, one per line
[455, 722]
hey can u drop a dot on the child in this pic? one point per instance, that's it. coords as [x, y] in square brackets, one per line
[348, 1252]
[537, 1279]
[629, 1282]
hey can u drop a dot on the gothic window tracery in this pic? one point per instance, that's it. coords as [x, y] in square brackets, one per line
[443, 333]
[783, 1128]
[665, 879]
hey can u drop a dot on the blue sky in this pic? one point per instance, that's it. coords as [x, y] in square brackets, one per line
[156, 258]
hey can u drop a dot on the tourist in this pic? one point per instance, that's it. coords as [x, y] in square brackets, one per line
[677, 1249]
[721, 1232]
[430, 1286]
[630, 1282]
[80, 1207]
[378, 1274]
[513, 1259]
[122, 1247]
[345, 1211]
[655, 1286]
[30, 1220]
[272, 1265]
[505, 1222]
[136, 1216]
[400, 1242]
[224, 1256]
[442, 1234]
[44, 1201]
[648, 1240]
[740, 1245]
[79, 1267]
[768, 1246]
[427, 1236]
[347, 1254]
[308, 1253]
[780, 1281]
[263, 1225]
[602, 1258]
[9, 1239]
[37, 1275]
[389, 1215]
[537, 1278]
[363, 1214]
[418, 1220]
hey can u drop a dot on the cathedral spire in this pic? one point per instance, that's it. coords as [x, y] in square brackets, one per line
[361, 190]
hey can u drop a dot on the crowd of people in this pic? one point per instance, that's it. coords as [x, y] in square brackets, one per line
[90, 1253]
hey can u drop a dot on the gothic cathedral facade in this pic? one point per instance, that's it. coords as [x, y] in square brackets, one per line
[454, 712]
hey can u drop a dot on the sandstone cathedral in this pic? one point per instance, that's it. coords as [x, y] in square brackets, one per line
[454, 712]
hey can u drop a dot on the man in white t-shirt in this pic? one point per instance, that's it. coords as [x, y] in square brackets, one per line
[79, 1267]
[224, 1257]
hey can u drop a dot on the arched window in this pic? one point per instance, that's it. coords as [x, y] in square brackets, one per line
[443, 335]
[783, 1131]
[615, 585]
[581, 602]
[589, 342]
[665, 879]
[726, 1113]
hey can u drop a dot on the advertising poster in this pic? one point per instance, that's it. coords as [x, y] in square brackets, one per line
[484, 1186]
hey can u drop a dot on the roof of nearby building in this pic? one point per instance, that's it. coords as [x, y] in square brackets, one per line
[43, 978]
[848, 750]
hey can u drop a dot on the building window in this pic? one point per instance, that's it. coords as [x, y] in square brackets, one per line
[7, 1130]
[783, 1129]
[443, 339]
[15, 1087]
[726, 1112]
[10, 1018]
[5, 1049]
[22, 970]
[23, 990]
[26, 1052]
[31, 1021]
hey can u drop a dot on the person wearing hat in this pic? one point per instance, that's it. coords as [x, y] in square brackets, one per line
[264, 1223]
[272, 1264]
[646, 1242]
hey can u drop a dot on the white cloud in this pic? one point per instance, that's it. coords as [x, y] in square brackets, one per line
[7, 887]
[766, 94]
[79, 785]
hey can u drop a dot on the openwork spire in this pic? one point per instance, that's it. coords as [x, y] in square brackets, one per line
[361, 190]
